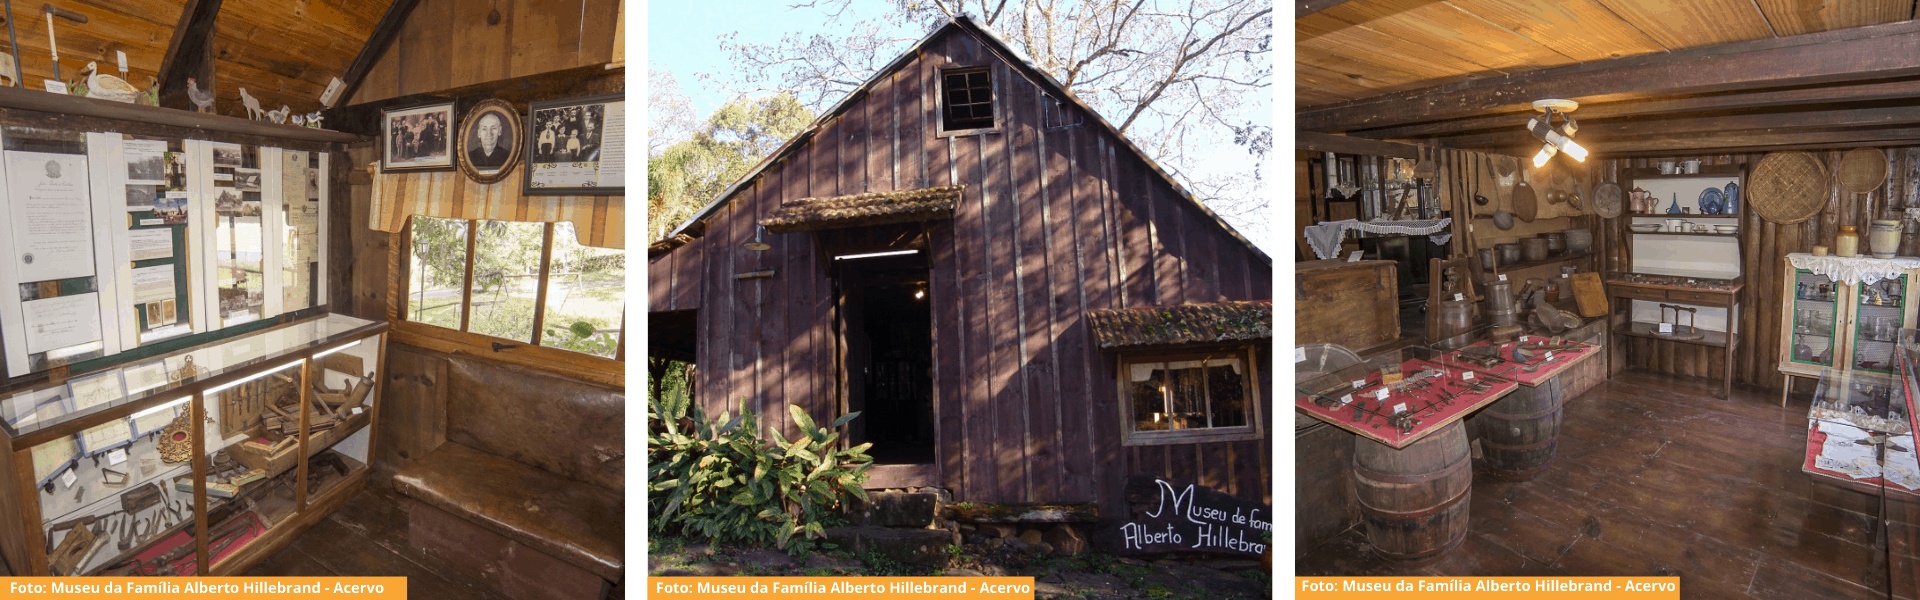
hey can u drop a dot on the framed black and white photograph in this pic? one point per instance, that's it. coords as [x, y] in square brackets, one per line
[417, 138]
[577, 147]
[489, 139]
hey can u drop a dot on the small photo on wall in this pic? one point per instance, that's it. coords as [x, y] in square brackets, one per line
[417, 139]
[226, 155]
[153, 314]
[140, 197]
[176, 171]
[246, 180]
[167, 313]
[171, 208]
[228, 201]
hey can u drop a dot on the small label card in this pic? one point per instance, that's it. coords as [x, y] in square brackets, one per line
[117, 456]
[1458, 297]
[1399, 408]
[67, 479]
[1503, 276]
[1380, 394]
[1346, 399]
[54, 86]
[1466, 375]
[1666, 328]
[1359, 383]
[1549, 355]
[1355, 257]
[1299, 355]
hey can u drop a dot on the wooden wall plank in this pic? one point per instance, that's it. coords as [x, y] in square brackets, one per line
[1034, 233]
[1003, 324]
[486, 48]
[969, 223]
[545, 33]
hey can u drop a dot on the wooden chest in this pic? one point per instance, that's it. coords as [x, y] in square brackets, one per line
[1353, 304]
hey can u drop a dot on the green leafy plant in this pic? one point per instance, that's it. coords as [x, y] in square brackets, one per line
[720, 479]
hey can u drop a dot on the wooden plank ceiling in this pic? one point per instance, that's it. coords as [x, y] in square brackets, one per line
[1726, 73]
[283, 51]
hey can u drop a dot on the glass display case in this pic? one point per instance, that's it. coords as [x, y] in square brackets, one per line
[1860, 432]
[1400, 396]
[192, 462]
[1846, 324]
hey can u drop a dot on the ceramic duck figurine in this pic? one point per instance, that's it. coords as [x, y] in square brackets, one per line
[108, 87]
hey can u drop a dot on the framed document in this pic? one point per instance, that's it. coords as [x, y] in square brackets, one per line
[106, 436]
[577, 147]
[489, 141]
[54, 457]
[98, 390]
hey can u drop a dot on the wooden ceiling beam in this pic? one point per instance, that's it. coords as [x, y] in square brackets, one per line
[1340, 144]
[1874, 52]
[1598, 136]
[383, 36]
[1770, 99]
[189, 54]
[1303, 8]
[1743, 142]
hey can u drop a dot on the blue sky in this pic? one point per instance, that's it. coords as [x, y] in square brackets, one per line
[683, 38]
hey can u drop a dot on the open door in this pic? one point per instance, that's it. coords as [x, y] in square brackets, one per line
[886, 339]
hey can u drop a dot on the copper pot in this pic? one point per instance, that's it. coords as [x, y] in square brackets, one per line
[1509, 253]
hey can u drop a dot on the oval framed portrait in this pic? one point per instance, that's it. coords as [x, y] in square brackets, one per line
[489, 141]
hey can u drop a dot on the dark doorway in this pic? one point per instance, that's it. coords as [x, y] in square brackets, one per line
[887, 329]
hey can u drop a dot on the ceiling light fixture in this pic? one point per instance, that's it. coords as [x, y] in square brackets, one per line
[1556, 141]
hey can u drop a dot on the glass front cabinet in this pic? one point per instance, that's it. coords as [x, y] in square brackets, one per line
[198, 461]
[1847, 326]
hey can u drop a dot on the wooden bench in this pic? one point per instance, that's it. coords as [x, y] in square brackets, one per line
[527, 493]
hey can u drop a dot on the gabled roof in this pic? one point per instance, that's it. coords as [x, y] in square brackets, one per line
[1007, 53]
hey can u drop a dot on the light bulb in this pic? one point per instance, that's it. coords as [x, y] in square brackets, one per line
[1546, 153]
[1574, 150]
[919, 294]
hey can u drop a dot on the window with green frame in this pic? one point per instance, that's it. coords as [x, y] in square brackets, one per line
[524, 282]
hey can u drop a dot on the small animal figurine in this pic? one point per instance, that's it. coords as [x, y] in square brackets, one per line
[299, 120]
[108, 87]
[279, 116]
[201, 98]
[253, 105]
[313, 119]
[151, 97]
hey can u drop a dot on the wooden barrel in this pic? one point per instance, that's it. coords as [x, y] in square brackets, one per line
[1520, 433]
[1414, 500]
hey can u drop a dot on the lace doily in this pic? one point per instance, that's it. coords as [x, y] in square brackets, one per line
[1854, 270]
[1324, 237]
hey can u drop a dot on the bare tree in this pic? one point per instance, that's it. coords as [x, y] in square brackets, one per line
[670, 116]
[1175, 76]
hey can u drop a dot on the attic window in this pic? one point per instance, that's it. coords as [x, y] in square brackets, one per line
[968, 99]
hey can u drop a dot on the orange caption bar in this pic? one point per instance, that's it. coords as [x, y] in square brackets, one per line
[369, 588]
[1448, 588]
[840, 588]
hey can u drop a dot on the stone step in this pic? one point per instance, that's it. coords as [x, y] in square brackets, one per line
[922, 547]
[917, 510]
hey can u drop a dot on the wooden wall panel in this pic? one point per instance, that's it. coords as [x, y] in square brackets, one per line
[448, 44]
[1027, 408]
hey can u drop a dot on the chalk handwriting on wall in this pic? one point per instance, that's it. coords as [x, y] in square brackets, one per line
[1177, 516]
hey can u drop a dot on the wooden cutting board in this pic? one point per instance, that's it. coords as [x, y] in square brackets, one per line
[1589, 294]
[1525, 205]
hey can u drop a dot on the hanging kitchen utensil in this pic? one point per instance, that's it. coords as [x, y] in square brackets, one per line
[1787, 187]
[1501, 218]
[1480, 201]
[1506, 166]
[1606, 200]
[1425, 169]
[1861, 171]
[1582, 188]
[1525, 204]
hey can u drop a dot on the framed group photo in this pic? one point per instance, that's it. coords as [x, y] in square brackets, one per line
[417, 138]
[576, 146]
[489, 141]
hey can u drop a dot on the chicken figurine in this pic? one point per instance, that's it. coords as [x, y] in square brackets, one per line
[108, 87]
[202, 99]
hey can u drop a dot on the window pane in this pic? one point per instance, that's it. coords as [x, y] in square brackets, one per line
[438, 272]
[1187, 389]
[956, 81]
[1147, 382]
[586, 293]
[978, 79]
[956, 96]
[506, 279]
[982, 96]
[1227, 391]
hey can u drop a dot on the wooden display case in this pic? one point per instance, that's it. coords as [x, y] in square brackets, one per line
[1353, 304]
[65, 514]
[1842, 326]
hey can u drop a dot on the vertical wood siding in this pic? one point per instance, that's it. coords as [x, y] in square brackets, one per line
[1052, 223]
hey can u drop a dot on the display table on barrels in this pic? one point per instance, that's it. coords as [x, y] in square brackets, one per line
[1412, 474]
[1520, 434]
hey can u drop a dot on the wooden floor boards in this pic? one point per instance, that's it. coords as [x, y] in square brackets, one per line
[1654, 476]
[368, 537]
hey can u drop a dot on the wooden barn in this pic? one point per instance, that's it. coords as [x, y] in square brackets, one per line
[1022, 307]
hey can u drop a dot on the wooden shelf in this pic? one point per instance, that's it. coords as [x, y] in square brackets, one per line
[48, 102]
[1717, 339]
[1679, 216]
[1734, 234]
[1536, 263]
